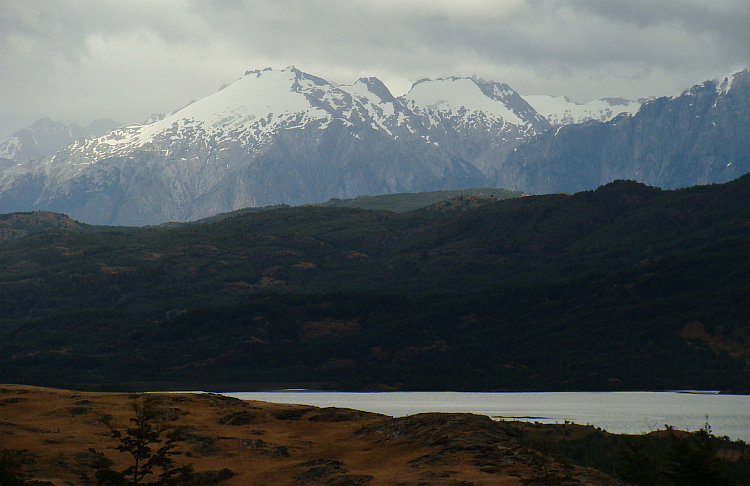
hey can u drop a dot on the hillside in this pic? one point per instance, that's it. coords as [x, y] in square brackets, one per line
[625, 287]
[18, 225]
[398, 203]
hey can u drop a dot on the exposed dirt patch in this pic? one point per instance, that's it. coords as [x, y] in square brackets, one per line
[736, 343]
[329, 327]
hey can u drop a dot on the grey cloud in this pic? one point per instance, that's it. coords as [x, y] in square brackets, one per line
[65, 27]
[696, 15]
[724, 22]
[582, 48]
[571, 34]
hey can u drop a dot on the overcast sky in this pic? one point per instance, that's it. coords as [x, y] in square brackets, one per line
[78, 60]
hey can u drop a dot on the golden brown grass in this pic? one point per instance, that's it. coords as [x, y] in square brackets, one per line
[273, 444]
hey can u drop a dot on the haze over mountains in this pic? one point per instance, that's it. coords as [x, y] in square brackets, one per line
[45, 137]
[289, 137]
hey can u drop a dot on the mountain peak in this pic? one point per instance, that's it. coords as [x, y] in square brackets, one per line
[454, 94]
[699, 137]
[44, 122]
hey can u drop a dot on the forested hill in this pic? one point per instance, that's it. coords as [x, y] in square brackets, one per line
[18, 225]
[625, 287]
[402, 202]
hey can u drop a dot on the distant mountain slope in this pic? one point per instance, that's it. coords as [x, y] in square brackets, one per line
[289, 138]
[45, 137]
[699, 137]
[625, 287]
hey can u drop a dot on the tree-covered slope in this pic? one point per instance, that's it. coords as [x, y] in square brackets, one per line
[625, 287]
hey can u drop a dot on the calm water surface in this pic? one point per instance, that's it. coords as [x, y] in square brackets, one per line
[616, 412]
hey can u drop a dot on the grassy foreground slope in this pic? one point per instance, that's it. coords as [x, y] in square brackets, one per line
[231, 442]
[625, 287]
[57, 437]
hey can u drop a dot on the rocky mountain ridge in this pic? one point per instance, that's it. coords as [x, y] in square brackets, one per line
[699, 137]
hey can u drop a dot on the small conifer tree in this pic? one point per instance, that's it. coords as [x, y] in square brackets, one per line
[693, 461]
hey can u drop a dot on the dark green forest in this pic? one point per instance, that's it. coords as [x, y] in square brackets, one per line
[624, 288]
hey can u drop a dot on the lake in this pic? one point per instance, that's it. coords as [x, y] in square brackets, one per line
[616, 412]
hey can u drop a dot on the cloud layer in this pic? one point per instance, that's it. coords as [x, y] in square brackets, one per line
[77, 60]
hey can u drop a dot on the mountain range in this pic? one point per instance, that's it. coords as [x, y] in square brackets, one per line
[288, 137]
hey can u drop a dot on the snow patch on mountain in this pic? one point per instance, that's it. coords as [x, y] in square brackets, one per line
[272, 96]
[10, 147]
[560, 110]
[724, 83]
[460, 96]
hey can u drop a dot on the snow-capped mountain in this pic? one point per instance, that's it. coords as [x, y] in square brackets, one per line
[560, 110]
[699, 137]
[279, 137]
[248, 113]
[255, 108]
